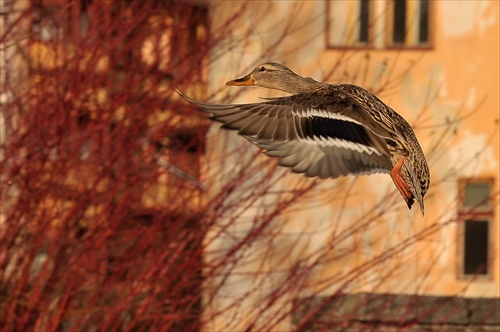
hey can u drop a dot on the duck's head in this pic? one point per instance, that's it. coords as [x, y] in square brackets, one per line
[268, 75]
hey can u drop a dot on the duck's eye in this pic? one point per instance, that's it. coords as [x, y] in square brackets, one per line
[262, 69]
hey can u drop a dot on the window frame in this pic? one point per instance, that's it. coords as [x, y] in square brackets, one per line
[471, 214]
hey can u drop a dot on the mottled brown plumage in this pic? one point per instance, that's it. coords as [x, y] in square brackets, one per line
[327, 130]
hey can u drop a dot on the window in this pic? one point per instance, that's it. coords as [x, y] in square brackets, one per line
[378, 24]
[476, 195]
[475, 215]
[44, 26]
[409, 23]
[349, 23]
[53, 20]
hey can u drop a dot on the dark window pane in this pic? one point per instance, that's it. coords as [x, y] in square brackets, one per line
[398, 30]
[423, 32]
[364, 21]
[476, 247]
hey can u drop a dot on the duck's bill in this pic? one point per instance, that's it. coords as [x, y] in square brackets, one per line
[247, 80]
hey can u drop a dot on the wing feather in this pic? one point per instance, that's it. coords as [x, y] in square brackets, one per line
[297, 130]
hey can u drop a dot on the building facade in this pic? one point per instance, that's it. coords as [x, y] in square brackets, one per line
[435, 63]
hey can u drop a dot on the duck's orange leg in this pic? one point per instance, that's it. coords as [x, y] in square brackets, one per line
[400, 183]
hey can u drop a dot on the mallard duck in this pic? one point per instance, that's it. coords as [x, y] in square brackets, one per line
[327, 130]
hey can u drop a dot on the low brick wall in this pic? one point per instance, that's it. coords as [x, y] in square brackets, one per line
[391, 312]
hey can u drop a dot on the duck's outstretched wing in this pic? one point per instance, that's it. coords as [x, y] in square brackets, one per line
[309, 133]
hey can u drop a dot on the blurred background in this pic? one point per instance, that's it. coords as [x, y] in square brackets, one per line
[124, 209]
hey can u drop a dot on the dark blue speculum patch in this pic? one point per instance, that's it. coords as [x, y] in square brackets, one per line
[334, 128]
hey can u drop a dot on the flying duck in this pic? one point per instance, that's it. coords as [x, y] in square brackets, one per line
[327, 130]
